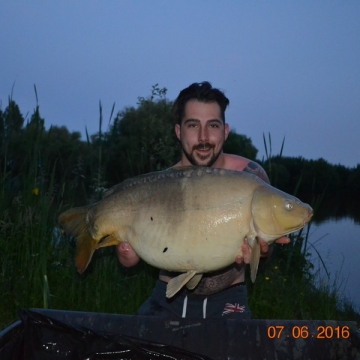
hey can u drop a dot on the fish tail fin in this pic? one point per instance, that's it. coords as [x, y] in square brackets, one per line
[73, 222]
[254, 260]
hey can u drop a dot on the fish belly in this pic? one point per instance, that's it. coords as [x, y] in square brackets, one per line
[203, 245]
[184, 224]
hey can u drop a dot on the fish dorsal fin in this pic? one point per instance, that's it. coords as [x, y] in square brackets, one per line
[255, 258]
[192, 283]
[176, 283]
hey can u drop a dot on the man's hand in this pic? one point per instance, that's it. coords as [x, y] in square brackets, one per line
[126, 255]
[264, 249]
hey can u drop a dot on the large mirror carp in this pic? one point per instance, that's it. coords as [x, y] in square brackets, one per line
[191, 220]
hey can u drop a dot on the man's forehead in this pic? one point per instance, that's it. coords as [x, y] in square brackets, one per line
[199, 109]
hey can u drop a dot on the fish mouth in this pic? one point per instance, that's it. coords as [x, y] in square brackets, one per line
[273, 237]
[307, 220]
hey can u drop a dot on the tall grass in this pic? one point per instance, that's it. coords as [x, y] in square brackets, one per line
[37, 266]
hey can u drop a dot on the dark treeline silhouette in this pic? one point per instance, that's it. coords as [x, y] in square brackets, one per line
[140, 139]
[331, 188]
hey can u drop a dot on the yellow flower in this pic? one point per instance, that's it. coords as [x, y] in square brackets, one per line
[275, 267]
[267, 278]
[35, 191]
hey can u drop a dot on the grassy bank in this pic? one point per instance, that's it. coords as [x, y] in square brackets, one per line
[289, 287]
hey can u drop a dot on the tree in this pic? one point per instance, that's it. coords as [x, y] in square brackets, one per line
[240, 145]
[319, 176]
[353, 182]
[13, 119]
[141, 139]
[285, 172]
[11, 145]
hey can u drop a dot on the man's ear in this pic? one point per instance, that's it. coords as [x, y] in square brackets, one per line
[227, 130]
[177, 131]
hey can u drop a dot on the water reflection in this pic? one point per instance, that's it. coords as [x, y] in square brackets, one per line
[337, 239]
[336, 208]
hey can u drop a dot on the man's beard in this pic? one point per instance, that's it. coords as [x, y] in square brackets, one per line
[201, 146]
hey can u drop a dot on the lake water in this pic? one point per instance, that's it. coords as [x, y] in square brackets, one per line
[338, 242]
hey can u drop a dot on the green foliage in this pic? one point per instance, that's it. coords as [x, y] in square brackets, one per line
[240, 145]
[12, 120]
[141, 139]
[40, 177]
[289, 288]
[353, 180]
[315, 175]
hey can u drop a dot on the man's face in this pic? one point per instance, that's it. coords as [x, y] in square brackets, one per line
[202, 132]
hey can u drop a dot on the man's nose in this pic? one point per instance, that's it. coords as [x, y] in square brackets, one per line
[203, 134]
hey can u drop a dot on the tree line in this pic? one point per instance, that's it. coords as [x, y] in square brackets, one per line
[139, 139]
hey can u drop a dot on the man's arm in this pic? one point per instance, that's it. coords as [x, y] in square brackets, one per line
[254, 168]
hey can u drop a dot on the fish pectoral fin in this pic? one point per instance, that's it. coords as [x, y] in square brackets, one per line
[85, 247]
[176, 283]
[192, 283]
[110, 240]
[254, 260]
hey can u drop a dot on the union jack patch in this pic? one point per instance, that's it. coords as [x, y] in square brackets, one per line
[233, 308]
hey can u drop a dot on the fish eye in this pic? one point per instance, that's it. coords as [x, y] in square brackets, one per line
[289, 205]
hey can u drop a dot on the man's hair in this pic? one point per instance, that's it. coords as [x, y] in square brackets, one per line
[203, 92]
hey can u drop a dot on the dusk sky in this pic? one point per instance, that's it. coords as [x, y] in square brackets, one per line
[289, 68]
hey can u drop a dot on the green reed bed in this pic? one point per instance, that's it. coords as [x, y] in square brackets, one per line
[104, 287]
[37, 267]
[287, 287]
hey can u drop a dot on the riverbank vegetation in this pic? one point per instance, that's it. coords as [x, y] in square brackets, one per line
[46, 171]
